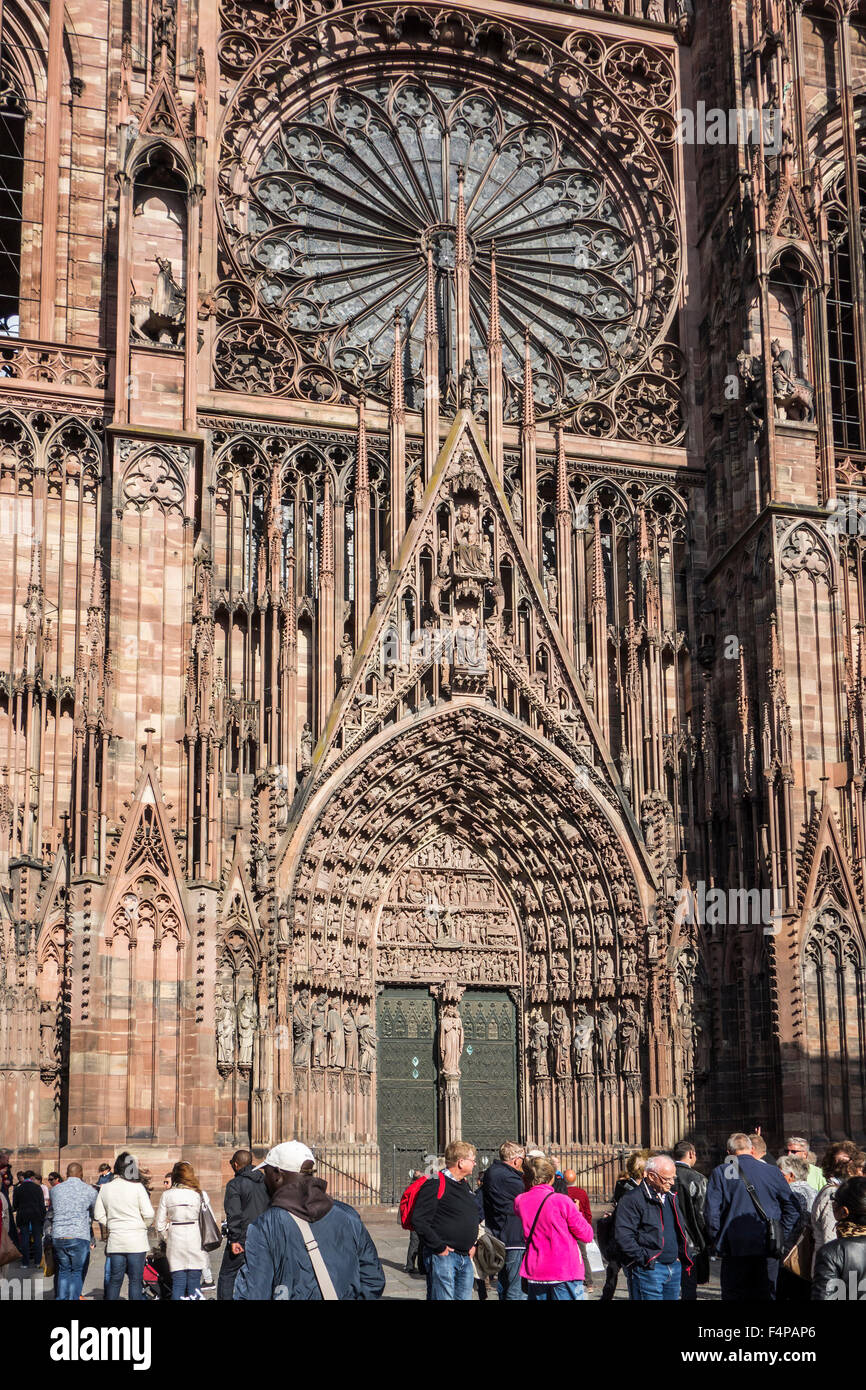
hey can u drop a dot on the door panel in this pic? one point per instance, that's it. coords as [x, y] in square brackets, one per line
[407, 1079]
[488, 1085]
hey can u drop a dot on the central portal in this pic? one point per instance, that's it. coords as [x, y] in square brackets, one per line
[449, 960]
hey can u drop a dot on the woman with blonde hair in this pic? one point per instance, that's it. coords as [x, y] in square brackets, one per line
[178, 1220]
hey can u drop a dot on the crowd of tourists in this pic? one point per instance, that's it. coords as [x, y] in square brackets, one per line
[787, 1229]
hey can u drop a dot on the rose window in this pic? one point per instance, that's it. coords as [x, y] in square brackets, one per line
[348, 196]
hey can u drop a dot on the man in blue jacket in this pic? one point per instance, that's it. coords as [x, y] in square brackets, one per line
[741, 1235]
[278, 1262]
[650, 1235]
[502, 1182]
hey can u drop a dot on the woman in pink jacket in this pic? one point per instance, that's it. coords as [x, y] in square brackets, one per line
[552, 1226]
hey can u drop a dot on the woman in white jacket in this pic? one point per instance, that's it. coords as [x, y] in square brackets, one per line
[177, 1220]
[124, 1207]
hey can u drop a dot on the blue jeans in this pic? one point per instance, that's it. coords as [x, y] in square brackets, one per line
[510, 1284]
[70, 1253]
[451, 1277]
[30, 1231]
[568, 1289]
[184, 1282]
[133, 1266]
[658, 1283]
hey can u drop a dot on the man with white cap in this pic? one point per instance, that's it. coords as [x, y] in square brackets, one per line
[306, 1246]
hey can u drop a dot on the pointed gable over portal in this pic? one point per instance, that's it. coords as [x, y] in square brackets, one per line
[464, 614]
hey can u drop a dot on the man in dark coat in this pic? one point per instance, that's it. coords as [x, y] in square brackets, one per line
[750, 1268]
[502, 1182]
[279, 1262]
[28, 1204]
[650, 1235]
[245, 1199]
[691, 1190]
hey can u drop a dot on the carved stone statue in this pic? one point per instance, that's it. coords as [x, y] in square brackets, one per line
[793, 396]
[629, 1035]
[417, 494]
[159, 317]
[366, 1039]
[247, 1014]
[317, 1025]
[469, 556]
[350, 1035]
[584, 1028]
[382, 574]
[451, 1040]
[225, 1027]
[607, 1038]
[47, 1034]
[306, 748]
[335, 1035]
[260, 858]
[560, 1038]
[302, 1033]
[539, 1038]
[346, 659]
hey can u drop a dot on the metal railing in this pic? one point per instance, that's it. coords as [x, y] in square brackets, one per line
[374, 1175]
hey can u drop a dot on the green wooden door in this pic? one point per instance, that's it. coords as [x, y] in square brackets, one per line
[407, 1084]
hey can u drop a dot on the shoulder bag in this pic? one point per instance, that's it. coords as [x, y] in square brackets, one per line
[209, 1231]
[774, 1228]
[320, 1269]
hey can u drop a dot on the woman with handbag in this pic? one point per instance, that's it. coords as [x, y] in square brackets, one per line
[123, 1206]
[181, 1208]
[552, 1265]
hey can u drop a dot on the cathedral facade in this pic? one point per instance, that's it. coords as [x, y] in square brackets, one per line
[432, 449]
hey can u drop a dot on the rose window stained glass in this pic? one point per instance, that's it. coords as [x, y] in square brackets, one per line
[348, 197]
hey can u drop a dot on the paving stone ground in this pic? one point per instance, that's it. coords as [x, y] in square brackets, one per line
[391, 1242]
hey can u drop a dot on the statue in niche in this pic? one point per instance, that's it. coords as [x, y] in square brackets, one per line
[560, 1038]
[260, 857]
[417, 495]
[366, 1039]
[350, 1039]
[159, 316]
[451, 1040]
[793, 396]
[247, 1014]
[225, 1027]
[539, 1038]
[302, 1032]
[47, 1034]
[584, 1030]
[335, 1035]
[382, 574]
[552, 590]
[607, 1038]
[347, 656]
[469, 555]
[702, 1040]
[306, 748]
[317, 1026]
[629, 1034]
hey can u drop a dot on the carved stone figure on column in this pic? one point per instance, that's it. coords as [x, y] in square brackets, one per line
[366, 1039]
[335, 1035]
[225, 1027]
[246, 1027]
[629, 1034]
[302, 1032]
[350, 1035]
[47, 1035]
[260, 858]
[560, 1038]
[539, 1039]
[584, 1029]
[317, 1024]
[607, 1038]
[451, 1040]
